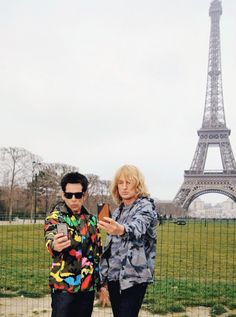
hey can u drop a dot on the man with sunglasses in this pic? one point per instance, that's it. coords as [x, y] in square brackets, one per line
[74, 242]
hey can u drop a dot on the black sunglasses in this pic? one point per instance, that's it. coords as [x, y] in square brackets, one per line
[70, 195]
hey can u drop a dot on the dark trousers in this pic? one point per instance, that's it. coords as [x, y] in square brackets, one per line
[126, 303]
[72, 304]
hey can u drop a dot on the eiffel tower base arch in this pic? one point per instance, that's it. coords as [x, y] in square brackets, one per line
[195, 185]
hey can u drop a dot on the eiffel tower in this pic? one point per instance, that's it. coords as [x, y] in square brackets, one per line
[213, 133]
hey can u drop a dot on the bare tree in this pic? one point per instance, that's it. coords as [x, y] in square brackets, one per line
[15, 170]
[25, 175]
[99, 192]
[48, 182]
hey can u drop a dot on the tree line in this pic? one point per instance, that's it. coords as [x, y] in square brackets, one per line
[30, 187]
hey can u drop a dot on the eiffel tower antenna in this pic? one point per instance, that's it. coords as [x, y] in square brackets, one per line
[197, 180]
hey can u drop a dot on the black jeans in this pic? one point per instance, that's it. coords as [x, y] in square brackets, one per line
[72, 304]
[126, 303]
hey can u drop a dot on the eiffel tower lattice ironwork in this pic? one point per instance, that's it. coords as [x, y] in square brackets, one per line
[197, 180]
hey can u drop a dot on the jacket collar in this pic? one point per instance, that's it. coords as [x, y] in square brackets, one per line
[63, 208]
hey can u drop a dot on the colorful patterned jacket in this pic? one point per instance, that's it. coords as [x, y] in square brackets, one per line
[76, 268]
[136, 250]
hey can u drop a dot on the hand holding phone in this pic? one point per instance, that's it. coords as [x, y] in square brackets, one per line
[61, 242]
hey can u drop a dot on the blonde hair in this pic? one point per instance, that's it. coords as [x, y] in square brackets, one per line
[130, 172]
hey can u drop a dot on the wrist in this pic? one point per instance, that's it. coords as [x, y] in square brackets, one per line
[121, 230]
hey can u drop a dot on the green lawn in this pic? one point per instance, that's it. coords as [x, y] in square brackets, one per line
[24, 261]
[195, 264]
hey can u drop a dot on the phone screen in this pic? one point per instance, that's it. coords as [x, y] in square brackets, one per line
[62, 227]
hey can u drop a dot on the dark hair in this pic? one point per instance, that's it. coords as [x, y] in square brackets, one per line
[74, 178]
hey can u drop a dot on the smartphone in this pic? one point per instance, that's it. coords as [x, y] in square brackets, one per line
[63, 228]
[103, 211]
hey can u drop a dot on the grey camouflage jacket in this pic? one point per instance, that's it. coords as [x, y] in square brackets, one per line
[137, 247]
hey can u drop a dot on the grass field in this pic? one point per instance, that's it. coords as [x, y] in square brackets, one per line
[195, 264]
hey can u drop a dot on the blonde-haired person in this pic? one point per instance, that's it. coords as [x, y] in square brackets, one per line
[127, 262]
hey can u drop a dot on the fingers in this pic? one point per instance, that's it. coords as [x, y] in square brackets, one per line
[105, 303]
[104, 224]
[111, 226]
[60, 242]
[58, 235]
[108, 219]
[108, 225]
[61, 245]
[104, 297]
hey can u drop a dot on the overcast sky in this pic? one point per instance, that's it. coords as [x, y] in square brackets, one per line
[97, 84]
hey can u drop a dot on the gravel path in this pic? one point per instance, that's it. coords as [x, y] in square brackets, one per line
[40, 307]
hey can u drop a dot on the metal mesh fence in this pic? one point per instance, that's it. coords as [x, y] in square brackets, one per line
[195, 272]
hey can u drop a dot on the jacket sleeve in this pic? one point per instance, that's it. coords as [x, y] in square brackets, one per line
[50, 229]
[97, 257]
[145, 216]
[104, 261]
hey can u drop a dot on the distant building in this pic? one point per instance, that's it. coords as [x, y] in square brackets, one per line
[200, 209]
